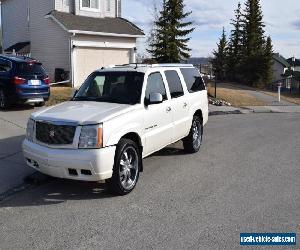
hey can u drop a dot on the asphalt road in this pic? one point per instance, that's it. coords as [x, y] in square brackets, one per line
[245, 179]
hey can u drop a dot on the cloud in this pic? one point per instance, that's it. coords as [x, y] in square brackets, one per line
[209, 16]
[297, 24]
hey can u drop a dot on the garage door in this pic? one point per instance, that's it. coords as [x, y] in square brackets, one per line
[87, 60]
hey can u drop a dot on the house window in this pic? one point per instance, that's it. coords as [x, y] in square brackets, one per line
[90, 5]
[66, 3]
[108, 7]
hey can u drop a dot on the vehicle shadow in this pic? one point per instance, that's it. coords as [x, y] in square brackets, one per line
[18, 107]
[171, 150]
[42, 190]
[55, 191]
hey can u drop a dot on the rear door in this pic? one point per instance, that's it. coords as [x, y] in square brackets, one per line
[197, 91]
[158, 117]
[179, 105]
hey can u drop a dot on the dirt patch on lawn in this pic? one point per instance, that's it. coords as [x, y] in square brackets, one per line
[235, 96]
[59, 94]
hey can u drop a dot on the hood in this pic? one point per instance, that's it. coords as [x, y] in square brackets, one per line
[82, 113]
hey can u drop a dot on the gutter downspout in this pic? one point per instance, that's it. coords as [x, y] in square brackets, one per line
[1, 42]
[72, 63]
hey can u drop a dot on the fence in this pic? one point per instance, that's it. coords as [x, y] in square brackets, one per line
[289, 85]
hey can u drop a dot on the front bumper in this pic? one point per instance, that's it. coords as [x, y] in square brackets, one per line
[75, 164]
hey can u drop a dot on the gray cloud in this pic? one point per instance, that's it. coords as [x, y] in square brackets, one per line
[296, 24]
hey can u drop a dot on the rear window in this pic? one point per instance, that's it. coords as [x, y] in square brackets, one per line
[30, 69]
[193, 79]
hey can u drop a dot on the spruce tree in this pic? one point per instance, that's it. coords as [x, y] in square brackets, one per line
[219, 61]
[235, 46]
[172, 29]
[268, 62]
[253, 43]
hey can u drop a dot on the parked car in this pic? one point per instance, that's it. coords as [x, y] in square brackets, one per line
[119, 116]
[22, 79]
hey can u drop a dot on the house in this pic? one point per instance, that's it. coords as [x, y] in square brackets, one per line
[71, 38]
[295, 63]
[280, 66]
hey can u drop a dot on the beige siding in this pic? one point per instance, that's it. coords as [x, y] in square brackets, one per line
[15, 22]
[87, 60]
[128, 41]
[49, 42]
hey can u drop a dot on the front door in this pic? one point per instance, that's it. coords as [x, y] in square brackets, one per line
[158, 117]
[180, 106]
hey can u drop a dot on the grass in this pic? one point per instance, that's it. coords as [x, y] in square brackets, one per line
[59, 94]
[235, 96]
[293, 98]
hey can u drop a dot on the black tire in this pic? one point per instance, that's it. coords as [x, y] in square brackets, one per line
[192, 143]
[126, 169]
[39, 104]
[4, 103]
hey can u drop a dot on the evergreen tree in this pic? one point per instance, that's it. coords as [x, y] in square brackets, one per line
[235, 46]
[170, 43]
[219, 61]
[268, 61]
[253, 43]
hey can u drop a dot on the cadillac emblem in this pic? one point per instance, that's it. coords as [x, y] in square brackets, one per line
[51, 133]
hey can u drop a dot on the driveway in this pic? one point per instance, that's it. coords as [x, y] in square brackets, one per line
[245, 179]
[12, 130]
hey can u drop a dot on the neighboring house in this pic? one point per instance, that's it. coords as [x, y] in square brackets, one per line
[295, 63]
[78, 36]
[280, 66]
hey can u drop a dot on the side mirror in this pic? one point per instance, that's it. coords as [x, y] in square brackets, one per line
[73, 93]
[154, 98]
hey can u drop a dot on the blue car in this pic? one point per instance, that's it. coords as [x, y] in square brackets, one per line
[22, 80]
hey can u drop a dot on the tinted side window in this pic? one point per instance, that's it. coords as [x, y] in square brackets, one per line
[174, 82]
[5, 66]
[193, 80]
[155, 84]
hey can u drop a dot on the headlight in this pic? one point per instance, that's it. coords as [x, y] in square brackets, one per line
[30, 130]
[91, 137]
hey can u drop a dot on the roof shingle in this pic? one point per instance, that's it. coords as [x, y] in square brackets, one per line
[109, 25]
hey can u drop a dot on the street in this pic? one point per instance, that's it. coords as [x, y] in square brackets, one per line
[244, 179]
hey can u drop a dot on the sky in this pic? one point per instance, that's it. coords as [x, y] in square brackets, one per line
[282, 20]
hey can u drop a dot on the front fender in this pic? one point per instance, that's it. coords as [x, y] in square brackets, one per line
[116, 128]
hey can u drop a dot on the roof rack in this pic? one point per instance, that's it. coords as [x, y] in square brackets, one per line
[139, 65]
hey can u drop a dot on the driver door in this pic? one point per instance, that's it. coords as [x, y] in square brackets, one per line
[158, 117]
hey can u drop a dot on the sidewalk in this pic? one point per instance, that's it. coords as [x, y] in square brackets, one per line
[12, 166]
[223, 110]
[269, 100]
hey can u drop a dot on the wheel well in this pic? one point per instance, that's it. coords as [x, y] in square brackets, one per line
[136, 138]
[199, 114]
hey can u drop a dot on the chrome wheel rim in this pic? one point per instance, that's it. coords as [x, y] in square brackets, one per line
[197, 134]
[129, 168]
[1, 98]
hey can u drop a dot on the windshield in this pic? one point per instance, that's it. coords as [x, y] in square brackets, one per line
[25, 69]
[115, 87]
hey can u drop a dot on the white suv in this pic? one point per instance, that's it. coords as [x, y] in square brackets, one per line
[119, 116]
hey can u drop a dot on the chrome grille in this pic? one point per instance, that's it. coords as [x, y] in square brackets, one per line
[54, 134]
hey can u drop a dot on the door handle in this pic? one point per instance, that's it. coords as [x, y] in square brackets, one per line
[185, 105]
[168, 109]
